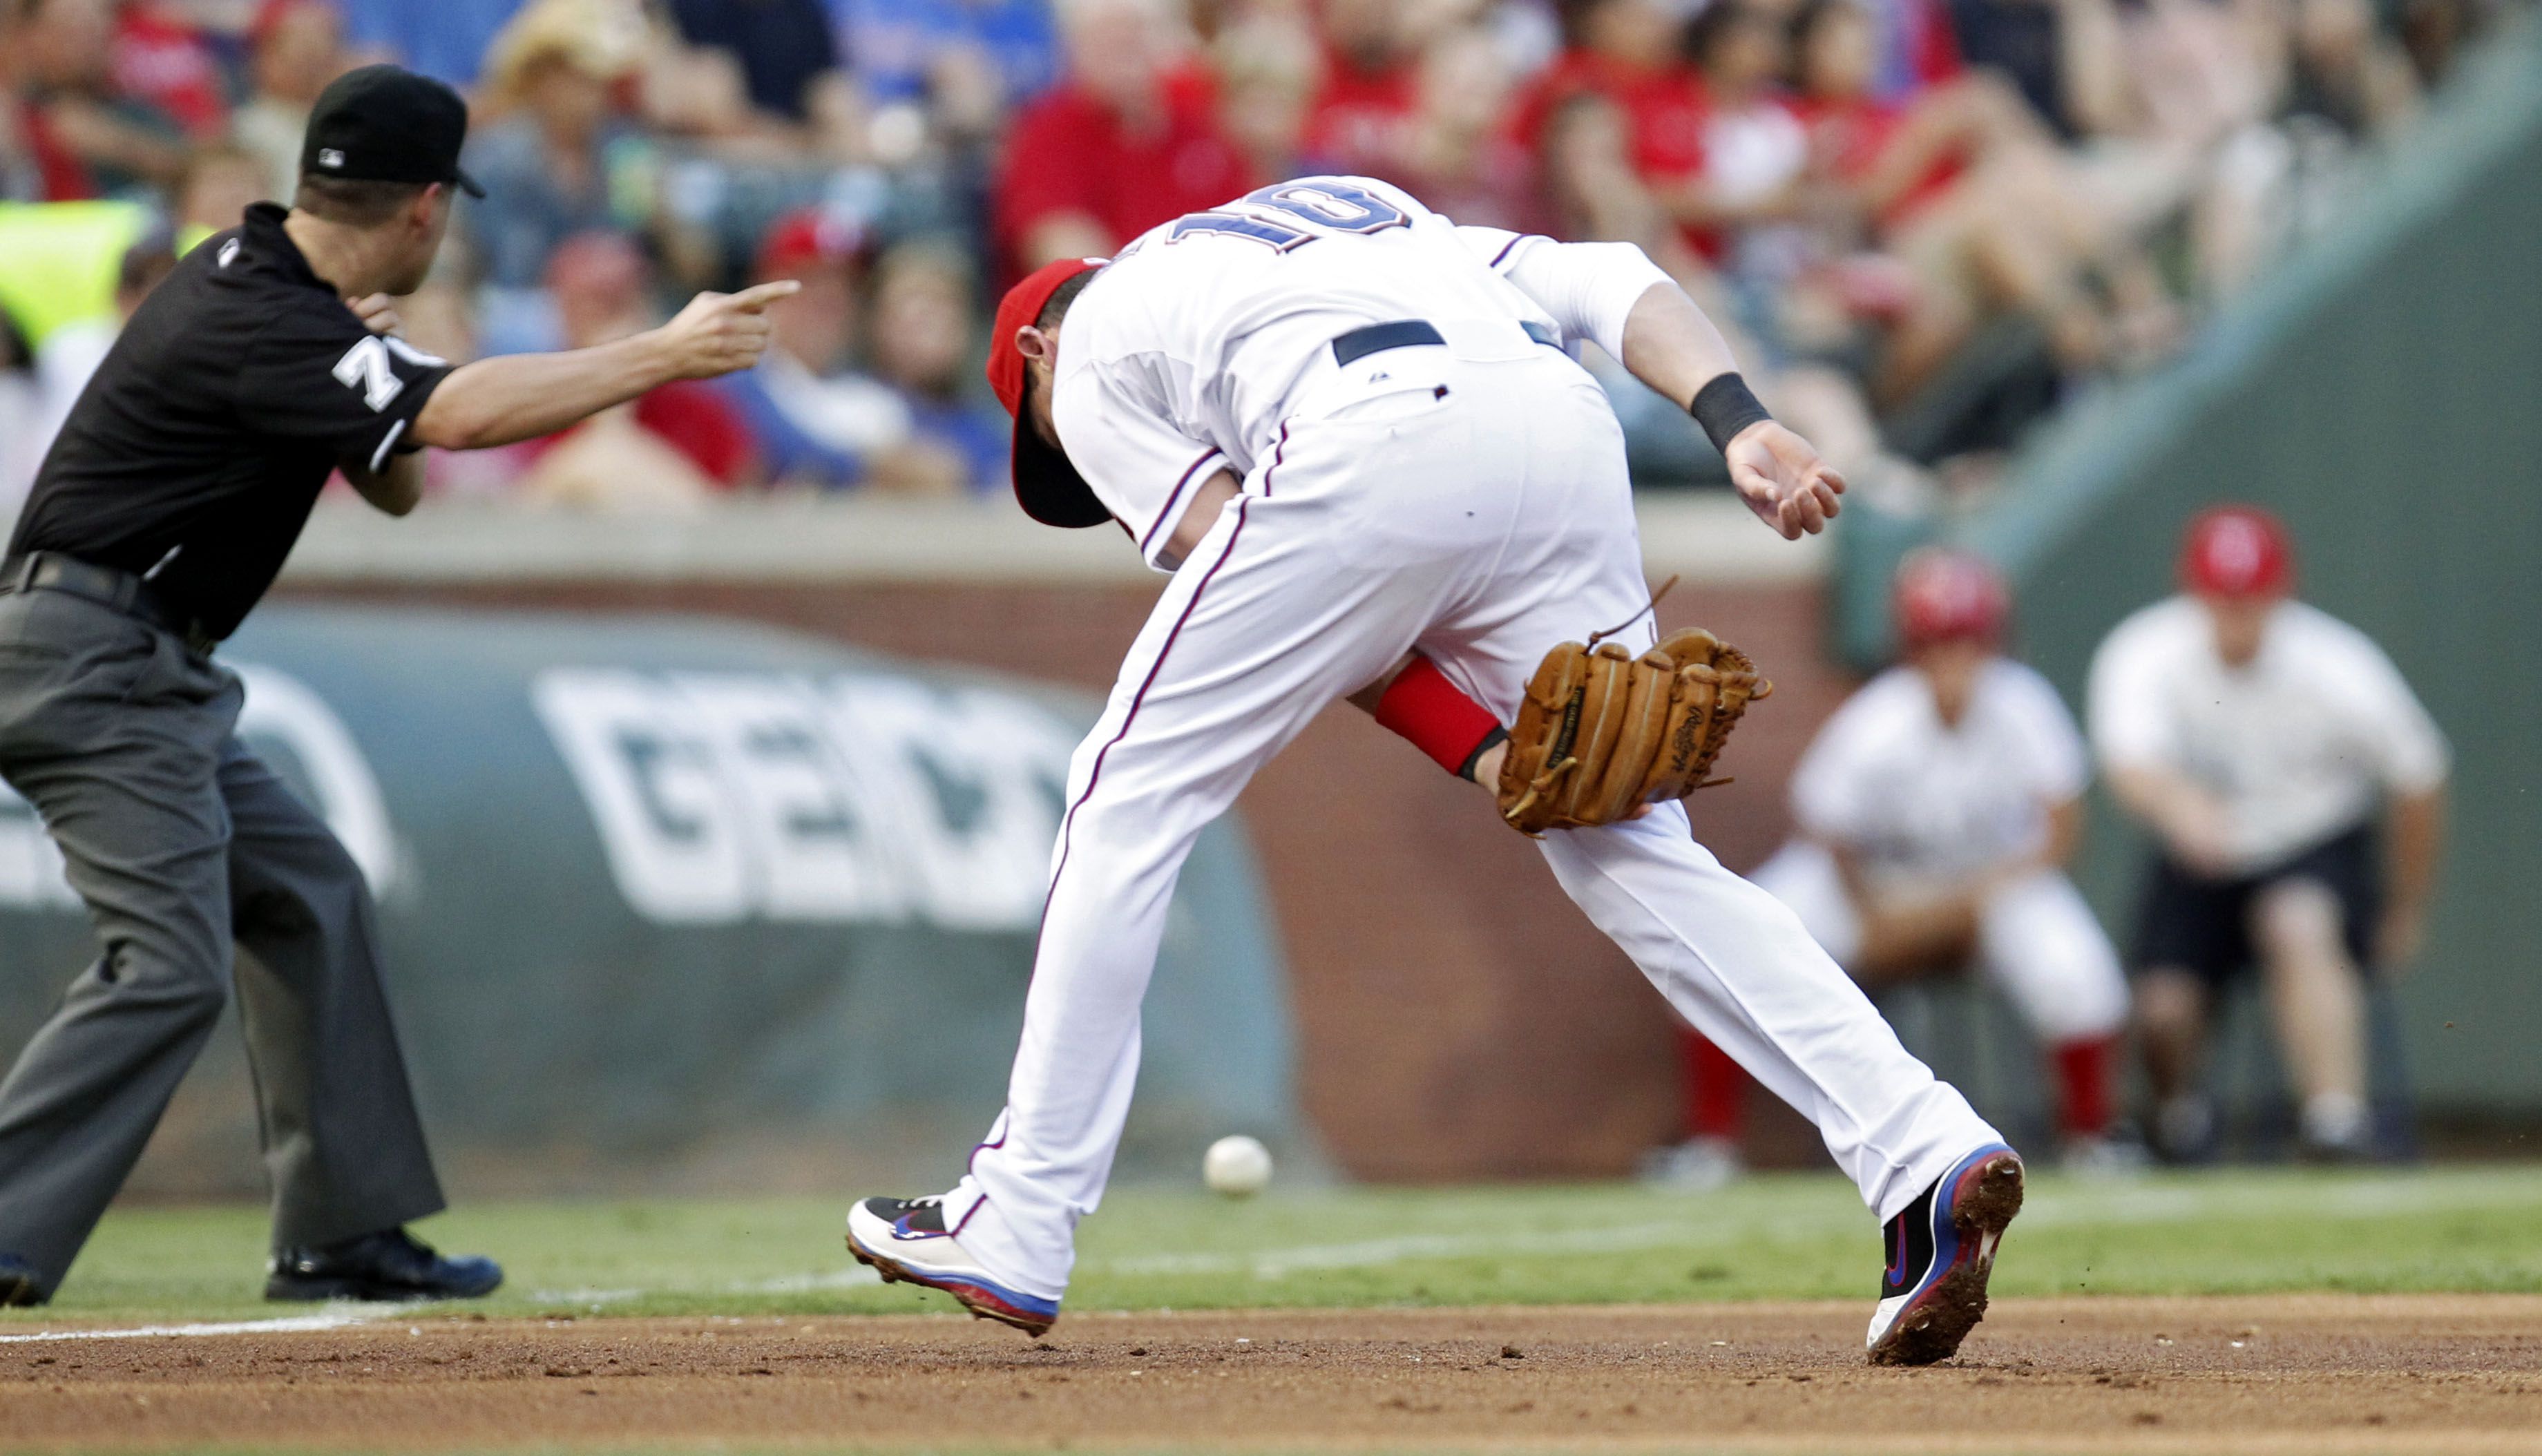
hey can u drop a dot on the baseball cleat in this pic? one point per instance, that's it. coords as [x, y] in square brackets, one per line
[905, 1240]
[1941, 1250]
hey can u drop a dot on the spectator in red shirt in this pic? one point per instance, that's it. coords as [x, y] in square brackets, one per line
[88, 137]
[1269, 69]
[1457, 152]
[1363, 113]
[1754, 150]
[161, 59]
[1626, 52]
[1128, 139]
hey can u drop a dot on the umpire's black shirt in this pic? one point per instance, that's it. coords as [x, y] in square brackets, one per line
[196, 451]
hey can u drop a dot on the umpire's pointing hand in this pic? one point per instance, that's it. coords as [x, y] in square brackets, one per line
[721, 332]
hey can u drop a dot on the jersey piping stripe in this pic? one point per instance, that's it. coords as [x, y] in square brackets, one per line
[388, 441]
[1279, 453]
[1172, 500]
[1513, 243]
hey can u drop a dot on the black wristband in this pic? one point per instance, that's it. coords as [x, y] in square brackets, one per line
[1723, 407]
[1498, 735]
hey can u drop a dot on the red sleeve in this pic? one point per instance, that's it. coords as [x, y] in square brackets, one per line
[1422, 708]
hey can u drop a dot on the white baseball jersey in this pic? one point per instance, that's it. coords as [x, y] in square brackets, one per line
[1922, 802]
[1468, 499]
[2299, 746]
[1194, 348]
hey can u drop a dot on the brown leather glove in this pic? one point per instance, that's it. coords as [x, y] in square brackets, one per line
[1603, 732]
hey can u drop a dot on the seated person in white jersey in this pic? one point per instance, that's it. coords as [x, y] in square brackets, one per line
[1348, 428]
[2260, 740]
[1937, 812]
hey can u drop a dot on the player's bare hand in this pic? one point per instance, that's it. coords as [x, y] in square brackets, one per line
[378, 313]
[721, 332]
[1783, 481]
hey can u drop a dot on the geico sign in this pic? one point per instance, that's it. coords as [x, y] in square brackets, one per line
[720, 796]
[288, 725]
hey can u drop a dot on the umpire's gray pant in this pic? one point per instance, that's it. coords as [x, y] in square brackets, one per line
[184, 843]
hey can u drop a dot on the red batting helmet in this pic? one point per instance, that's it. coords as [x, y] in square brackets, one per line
[1047, 486]
[1942, 595]
[2236, 551]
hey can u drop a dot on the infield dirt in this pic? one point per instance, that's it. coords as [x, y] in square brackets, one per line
[2306, 1373]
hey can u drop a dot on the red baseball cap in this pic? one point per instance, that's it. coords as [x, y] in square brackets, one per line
[2236, 551]
[1942, 595]
[811, 235]
[1047, 486]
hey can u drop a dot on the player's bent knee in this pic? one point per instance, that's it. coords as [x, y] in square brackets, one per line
[2296, 918]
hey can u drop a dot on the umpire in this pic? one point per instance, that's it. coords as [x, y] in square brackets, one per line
[165, 507]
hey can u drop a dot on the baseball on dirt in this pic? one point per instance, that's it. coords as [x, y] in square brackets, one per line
[1237, 1167]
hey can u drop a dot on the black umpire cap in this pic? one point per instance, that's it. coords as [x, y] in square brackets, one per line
[386, 123]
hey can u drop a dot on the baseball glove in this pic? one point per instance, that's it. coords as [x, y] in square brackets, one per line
[1603, 732]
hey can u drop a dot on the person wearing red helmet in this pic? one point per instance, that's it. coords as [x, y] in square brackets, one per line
[1350, 431]
[1936, 811]
[2261, 741]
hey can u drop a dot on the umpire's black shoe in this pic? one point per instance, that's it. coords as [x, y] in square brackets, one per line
[390, 1265]
[18, 1284]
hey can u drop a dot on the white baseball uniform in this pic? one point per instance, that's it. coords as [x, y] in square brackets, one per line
[1468, 499]
[1925, 806]
[2299, 747]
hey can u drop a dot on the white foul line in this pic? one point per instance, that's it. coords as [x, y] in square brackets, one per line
[288, 1325]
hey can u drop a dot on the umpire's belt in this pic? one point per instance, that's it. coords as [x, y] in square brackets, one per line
[1405, 333]
[51, 571]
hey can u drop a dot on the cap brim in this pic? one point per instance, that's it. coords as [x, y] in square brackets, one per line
[466, 182]
[1047, 486]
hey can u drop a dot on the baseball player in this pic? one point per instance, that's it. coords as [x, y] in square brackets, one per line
[266, 361]
[1936, 811]
[2260, 740]
[1348, 429]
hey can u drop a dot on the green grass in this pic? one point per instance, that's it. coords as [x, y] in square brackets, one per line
[1779, 1237]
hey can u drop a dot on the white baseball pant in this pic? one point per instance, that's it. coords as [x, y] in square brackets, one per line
[2037, 941]
[1478, 509]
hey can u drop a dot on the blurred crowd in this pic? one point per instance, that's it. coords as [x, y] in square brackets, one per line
[1923, 221]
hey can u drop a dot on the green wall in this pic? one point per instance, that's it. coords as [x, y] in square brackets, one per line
[2383, 391]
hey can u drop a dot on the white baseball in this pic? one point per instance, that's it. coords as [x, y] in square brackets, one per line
[1237, 1167]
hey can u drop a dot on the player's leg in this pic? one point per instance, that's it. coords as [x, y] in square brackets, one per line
[1739, 965]
[343, 1147]
[2043, 948]
[2190, 941]
[1803, 876]
[1734, 960]
[1729, 956]
[1265, 626]
[2317, 1000]
[115, 742]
